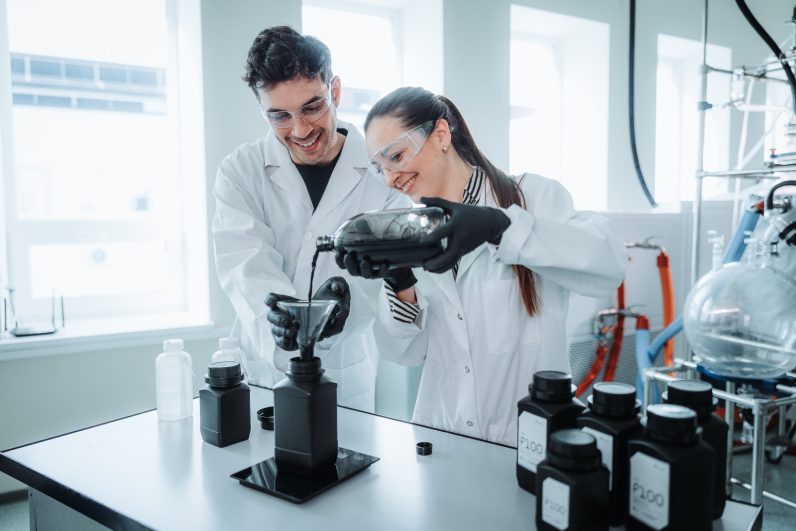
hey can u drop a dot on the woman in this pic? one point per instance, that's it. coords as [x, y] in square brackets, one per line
[490, 311]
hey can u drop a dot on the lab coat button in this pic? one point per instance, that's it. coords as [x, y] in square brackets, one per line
[461, 317]
[470, 423]
[466, 369]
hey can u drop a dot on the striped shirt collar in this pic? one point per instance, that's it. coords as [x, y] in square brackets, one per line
[472, 191]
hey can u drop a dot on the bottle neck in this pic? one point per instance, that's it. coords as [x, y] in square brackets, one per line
[301, 370]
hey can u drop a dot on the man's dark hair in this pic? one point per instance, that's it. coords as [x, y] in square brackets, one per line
[281, 54]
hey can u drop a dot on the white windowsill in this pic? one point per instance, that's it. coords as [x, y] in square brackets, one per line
[82, 336]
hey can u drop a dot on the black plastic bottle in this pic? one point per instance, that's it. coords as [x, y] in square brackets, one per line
[612, 418]
[698, 396]
[550, 406]
[572, 484]
[224, 405]
[305, 419]
[671, 473]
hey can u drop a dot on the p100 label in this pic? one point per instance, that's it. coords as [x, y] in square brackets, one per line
[555, 503]
[531, 440]
[649, 490]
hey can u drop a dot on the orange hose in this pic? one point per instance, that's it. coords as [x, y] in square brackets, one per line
[599, 359]
[616, 344]
[667, 291]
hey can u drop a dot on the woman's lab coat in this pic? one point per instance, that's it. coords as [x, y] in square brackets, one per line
[264, 232]
[479, 345]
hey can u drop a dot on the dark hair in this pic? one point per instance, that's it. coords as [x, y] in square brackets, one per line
[414, 106]
[281, 54]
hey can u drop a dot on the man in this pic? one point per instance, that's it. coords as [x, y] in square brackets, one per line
[275, 196]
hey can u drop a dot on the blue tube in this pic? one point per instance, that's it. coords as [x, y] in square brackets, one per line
[644, 363]
[674, 328]
[737, 246]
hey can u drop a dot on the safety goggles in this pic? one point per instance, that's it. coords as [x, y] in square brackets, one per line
[400, 152]
[311, 112]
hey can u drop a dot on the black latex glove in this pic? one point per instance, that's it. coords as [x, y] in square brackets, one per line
[283, 327]
[335, 289]
[362, 266]
[468, 227]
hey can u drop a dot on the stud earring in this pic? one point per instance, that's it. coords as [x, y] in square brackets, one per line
[444, 149]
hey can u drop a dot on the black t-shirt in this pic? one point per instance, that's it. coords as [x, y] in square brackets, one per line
[317, 177]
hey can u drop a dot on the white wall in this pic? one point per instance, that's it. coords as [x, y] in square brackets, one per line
[48, 395]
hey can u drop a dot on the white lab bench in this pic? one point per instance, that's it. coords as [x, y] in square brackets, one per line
[139, 473]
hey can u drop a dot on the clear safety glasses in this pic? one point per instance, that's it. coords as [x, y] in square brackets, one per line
[400, 152]
[311, 112]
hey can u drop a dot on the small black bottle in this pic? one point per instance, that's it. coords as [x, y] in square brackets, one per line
[224, 405]
[612, 418]
[698, 396]
[572, 484]
[550, 406]
[305, 419]
[671, 473]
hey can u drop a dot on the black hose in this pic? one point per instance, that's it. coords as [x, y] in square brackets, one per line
[632, 104]
[773, 46]
[770, 196]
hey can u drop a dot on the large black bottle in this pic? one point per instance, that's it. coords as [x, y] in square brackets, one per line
[393, 236]
[224, 405]
[550, 406]
[572, 484]
[305, 419]
[698, 396]
[671, 473]
[612, 418]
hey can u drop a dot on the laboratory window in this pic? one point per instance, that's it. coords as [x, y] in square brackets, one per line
[377, 53]
[105, 180]
[558, 92]
[677, 119]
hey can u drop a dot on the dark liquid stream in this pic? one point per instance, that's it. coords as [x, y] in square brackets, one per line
[312, 274]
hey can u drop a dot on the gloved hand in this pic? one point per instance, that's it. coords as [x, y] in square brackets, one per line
[468, 227]
[283, 327]
[398, 279]
[335, 289]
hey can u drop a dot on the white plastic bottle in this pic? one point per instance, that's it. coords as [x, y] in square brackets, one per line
[174, 381]
[228, 350]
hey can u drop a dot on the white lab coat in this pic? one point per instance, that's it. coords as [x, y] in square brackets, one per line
[264, 231]
[479, 345]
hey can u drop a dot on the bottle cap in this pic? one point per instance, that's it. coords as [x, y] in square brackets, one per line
[615, 400]
[694, 394]
[172, 344]
[671, 424]
[228, 343]
[266, 418]
[424, 448]
[573, 450]
[223, 374]
[551, 386]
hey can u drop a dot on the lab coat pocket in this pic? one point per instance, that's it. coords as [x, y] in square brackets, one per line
[505, 319]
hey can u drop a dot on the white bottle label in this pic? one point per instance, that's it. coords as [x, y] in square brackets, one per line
[555, 503]
[649, 490]
[531, 440]
[605, 443]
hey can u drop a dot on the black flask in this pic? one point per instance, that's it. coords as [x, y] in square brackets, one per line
[550, 406]
[671, 473]
[393, 236]
[224, 405]
[612, 418]
[572, 484]
[698, 395]
[305, 419]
